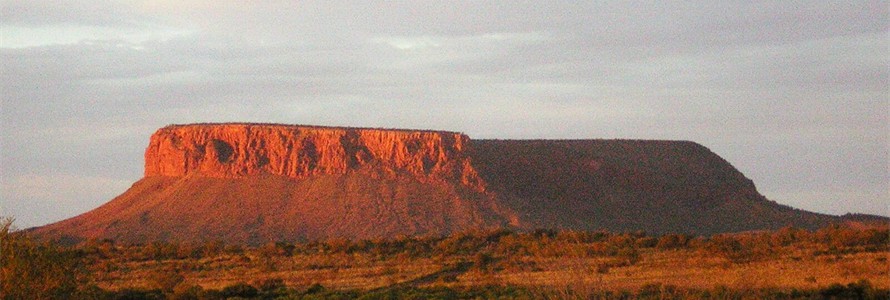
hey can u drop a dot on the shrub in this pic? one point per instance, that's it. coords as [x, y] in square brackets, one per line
[271, 284]
[462, 243]
[276, 249]
[603, 268]
[163, 251]
[30, 270]
[602, 248]
[211, 249]
[186, 292]
[104, 248]
[315, 289]
[843, 237]
[629, 255]
[855, 290]
[240, 289]
[657, 291]
[233, 249]
[483, 261]
[728, 247]
[646, 242]
[135, 294]
[165, 280]
[672, 241]
[787, 236]
[544, 233]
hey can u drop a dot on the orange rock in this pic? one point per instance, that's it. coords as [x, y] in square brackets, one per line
[237, 150]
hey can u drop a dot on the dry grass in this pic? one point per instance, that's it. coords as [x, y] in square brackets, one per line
[690, 270]
[681, 268]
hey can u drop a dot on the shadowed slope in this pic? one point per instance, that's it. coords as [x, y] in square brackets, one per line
[656, 186]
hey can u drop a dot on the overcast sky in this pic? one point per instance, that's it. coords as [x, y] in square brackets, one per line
[792, 93]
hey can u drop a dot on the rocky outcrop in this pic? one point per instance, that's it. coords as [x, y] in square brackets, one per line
[254, 183]
[238, 150]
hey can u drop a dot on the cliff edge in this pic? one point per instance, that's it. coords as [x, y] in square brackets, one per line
[239, 150]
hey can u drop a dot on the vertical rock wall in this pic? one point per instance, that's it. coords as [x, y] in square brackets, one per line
[236, 150]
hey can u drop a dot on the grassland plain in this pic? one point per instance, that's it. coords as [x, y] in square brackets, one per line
[788, 263]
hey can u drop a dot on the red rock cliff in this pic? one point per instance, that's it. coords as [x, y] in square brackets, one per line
[236, 150]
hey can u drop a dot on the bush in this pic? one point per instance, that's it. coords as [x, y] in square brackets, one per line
[457, 244]
[657, 291]
[647, 242]
[211, 249]
[843, 238]
[855, 290]
[134, 294]
[629, 255]
[186, 292]
[233, 249]
[728, 247]
[672, 241]
[271, 284]
[315, 289]
[31, 270]
[277, 249]
[240, 289]
[482, 261]
[165, 280]
[787, 236]
[162, 251]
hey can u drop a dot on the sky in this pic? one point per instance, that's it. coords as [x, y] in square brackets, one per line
[793, 93]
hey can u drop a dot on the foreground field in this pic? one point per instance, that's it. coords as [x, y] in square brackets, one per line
[789, 263]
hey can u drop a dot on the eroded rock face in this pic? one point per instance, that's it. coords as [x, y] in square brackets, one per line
[237, 150]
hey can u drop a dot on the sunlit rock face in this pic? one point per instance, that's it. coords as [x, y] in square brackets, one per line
[238, 150]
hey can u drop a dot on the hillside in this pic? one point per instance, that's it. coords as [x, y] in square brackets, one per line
[629, 185]
[252, 183]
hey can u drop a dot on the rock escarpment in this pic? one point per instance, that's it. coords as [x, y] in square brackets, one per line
[254, 183]
[239, 150]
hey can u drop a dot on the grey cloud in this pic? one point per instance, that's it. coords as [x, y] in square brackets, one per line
[69, 12]
[793, 93]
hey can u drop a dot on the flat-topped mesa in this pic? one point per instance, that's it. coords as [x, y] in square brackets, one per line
[359, 183]
[237, 150]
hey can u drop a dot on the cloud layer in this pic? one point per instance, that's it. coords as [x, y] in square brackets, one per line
[794, 94]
